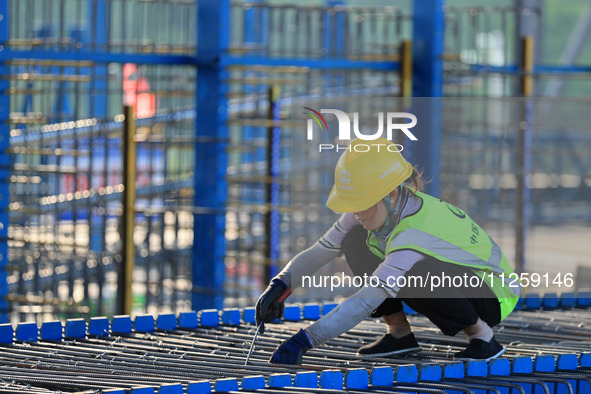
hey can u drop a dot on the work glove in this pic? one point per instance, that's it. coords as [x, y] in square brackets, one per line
[292, 350]
[267, 307]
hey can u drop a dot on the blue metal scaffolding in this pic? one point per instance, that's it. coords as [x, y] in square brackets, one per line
[205, 186]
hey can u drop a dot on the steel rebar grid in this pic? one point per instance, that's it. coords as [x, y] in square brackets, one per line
[183, 356]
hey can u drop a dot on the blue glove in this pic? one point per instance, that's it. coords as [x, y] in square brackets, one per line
[292, 350]
[267, 307]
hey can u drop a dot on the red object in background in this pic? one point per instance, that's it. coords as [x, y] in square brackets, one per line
[136, 92]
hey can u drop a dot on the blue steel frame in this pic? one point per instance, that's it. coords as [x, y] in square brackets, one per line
[427, 81]
[99, 16]
[211, 158]
[209, 243]
[213, 27]
[5, 164]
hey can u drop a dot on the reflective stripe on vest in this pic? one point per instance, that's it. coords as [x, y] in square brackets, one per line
[448, 250]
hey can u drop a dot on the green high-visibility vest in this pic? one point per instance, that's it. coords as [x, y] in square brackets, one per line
[446, 233]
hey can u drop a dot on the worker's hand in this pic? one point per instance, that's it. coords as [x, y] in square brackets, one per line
[292, 350]
[267, 307]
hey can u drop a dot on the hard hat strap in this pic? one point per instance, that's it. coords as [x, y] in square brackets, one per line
[393, 213]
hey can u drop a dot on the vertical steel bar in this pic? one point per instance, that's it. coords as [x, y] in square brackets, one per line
[61, 39]
[527, 65]
[99, 17]
[359, 38]
[405, 78]
[44, 36]
[208, 271]
[406, 68]
[5, 164]
[524, 156]
[103, 34]
[474, 12]
[298, 32]
[272, 215]
[428, 82]
[102, 245]
[124, 26]
[129, 155]
[252, 15]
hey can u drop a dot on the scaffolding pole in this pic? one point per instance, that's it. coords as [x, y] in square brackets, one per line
[125, 276]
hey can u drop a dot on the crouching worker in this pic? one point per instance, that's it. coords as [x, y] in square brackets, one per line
[393, 231]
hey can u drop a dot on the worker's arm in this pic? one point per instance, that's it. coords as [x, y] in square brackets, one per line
[304, 263]
[341, 319]
[346, 315]
[322, 252]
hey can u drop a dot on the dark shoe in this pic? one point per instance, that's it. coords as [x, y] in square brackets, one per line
[388, 345]
[479, 350]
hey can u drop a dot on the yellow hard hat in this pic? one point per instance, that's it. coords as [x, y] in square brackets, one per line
[365, 173]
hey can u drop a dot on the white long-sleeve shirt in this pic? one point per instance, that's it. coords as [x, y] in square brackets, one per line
[360, 305]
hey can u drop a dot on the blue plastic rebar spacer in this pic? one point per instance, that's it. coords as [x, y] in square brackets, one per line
[199, 387]
[231, 317]
[311, 311]
[522, 364]
[166, 321]
[430, 372]
[306, 379]
[292, 313]
[52, 330]
[143, 390]
[228, 384]
[75, 328]
[406, 373]
[99, 326]
[550, 301]
[566, 362]
[585, 360]
[144, 323]
[6, 333]
[171, 388]
[533, 301]
[279, 380]
[568, 300]
[209, 318]
[253, 382]
[248, 315]
[331, 379]
[499, 367]
[476, 368]
[381, 376]
[188, 320]
[545, 363]
[121, 324]
[326, 308]
[454, 370]
[357, 378]
[27, 332]
[584, 299]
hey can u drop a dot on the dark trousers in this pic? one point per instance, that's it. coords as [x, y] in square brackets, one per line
[450, 308]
